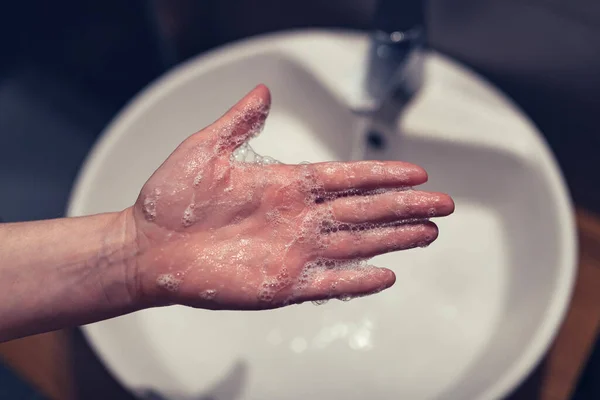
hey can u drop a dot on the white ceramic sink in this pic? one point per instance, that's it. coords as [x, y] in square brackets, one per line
[468, 317]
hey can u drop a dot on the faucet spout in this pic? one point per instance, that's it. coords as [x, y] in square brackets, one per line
[395, 65]
[394, 72]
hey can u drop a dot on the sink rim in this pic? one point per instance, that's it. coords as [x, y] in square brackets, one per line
[556, 310]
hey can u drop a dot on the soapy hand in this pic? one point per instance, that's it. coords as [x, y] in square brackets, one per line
[218, 233]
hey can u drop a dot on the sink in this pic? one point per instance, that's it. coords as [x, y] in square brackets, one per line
[468, 318]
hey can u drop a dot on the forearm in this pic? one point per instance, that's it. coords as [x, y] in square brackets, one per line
[66, 272]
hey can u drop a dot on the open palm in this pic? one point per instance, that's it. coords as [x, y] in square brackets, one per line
[220, 234]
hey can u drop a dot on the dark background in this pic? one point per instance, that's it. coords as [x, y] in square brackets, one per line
[67, 67]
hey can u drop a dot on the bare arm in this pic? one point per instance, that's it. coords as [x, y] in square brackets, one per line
[65, 272]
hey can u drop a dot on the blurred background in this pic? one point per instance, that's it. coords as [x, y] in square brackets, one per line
[67, 67]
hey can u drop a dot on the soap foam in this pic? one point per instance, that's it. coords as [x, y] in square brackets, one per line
[169, 282]
[149, 205]
[198, 178]
[318, 268]
[246, 154]
[208, 294]
[188, 218]
[255, 114]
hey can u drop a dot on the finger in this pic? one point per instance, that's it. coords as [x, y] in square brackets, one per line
[367, 175]
[244, 120]
[345, 283]
[391, 206]
[350, 244]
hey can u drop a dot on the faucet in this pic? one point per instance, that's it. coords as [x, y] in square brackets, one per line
[395, 66]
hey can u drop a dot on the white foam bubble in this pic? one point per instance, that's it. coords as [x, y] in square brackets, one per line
[169, 282]
[188, 218]
[198, 179]
[273, 215]
[149, 205]
[246, 154]
[208, 294]
[269, 160]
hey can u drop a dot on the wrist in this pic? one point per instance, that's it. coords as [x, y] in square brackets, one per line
[118, 262]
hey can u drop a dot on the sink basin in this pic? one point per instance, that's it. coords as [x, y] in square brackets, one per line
[468, 317]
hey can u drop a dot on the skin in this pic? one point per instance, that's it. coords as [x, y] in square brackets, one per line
[211, 233]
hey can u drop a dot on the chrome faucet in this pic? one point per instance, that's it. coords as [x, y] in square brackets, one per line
[395, 65]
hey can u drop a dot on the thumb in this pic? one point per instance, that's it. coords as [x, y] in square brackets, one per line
[244, 120]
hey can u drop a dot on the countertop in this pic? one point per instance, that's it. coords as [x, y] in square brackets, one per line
[51, 362]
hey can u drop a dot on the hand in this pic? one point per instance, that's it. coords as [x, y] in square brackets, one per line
[221, 234]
